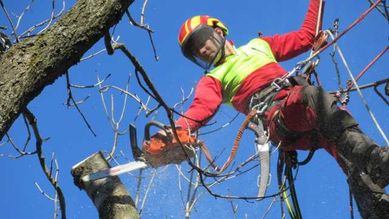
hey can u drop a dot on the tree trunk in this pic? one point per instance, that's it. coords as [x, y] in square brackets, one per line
[371, 201]
[27, 67]
[109, 194]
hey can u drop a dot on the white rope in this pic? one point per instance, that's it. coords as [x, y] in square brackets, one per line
[359, 90]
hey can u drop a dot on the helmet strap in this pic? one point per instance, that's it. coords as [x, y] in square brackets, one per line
[219, 57]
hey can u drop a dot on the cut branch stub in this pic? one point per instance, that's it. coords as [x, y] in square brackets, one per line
[109, 195]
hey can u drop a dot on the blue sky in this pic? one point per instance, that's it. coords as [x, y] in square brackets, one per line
[321, 185]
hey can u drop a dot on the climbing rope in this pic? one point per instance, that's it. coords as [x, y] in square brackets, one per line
[354, 82]
[369, 65]
[234, 148]
[358, 20]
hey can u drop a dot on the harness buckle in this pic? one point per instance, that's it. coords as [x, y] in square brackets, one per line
[276, 85]
[259, 131]
[260, 107]
[280, 83]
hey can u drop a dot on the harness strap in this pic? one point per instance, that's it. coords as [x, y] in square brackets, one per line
[265, 96]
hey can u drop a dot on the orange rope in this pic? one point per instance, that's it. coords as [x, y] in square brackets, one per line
[368, 66]
[234, 148]
[320, 18]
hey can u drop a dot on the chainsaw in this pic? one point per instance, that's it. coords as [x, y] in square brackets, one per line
[158, 150]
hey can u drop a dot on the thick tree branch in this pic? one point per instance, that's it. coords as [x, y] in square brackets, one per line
[29, 66]
[109, 194]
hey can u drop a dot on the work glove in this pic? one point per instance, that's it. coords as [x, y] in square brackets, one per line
[163, 148]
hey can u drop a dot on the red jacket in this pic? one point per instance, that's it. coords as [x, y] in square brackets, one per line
[208, 94]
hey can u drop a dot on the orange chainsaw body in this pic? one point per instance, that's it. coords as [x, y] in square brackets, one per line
[162, 150]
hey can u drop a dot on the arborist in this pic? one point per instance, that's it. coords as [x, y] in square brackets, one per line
[296, 116]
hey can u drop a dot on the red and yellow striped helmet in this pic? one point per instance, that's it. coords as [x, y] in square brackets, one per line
[194, 22]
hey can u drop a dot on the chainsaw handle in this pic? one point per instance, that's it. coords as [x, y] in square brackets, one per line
[136, 151]
[157, 124]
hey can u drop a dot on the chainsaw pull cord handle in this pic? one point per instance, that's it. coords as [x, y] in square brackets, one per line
[234, 148]
[157, 124]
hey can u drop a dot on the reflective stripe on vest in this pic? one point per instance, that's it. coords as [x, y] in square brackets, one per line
[237, 67]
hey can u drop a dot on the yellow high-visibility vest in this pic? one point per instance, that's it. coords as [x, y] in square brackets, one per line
[237, 67]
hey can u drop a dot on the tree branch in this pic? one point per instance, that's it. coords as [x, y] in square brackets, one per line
[33, 123]
[109, 194]
[29, 66]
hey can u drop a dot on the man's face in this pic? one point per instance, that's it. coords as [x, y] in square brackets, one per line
[204, 47]
[208, 51]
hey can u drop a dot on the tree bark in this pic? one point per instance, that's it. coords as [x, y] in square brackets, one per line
[372, 202]
[109, 194]
[29, 66]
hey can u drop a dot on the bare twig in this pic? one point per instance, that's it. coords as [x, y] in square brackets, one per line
[93, 55]
[144, 26]
[115, 141]
[221, 127]
[365, 86]
[139, 179]
[34, 125]
[21, 152]
[142, 17]
[91, 86]
[382, 8]
[133, 96]
[193, 187]
[27, 8]
[9, 20]
[269, 207]
[147, 192]
[381, 95]
[115, 123]
[29, 31]
[156, 56]
[43, 192]
[136, 24]
[52, 16]
[184, 98]
[28, 133]
[71, 99]
[71, 104]
[234, 208]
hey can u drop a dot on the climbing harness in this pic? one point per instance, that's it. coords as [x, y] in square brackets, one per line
[343, 97]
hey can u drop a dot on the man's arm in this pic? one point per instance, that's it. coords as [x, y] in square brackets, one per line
[207, 99]
[289, 45]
